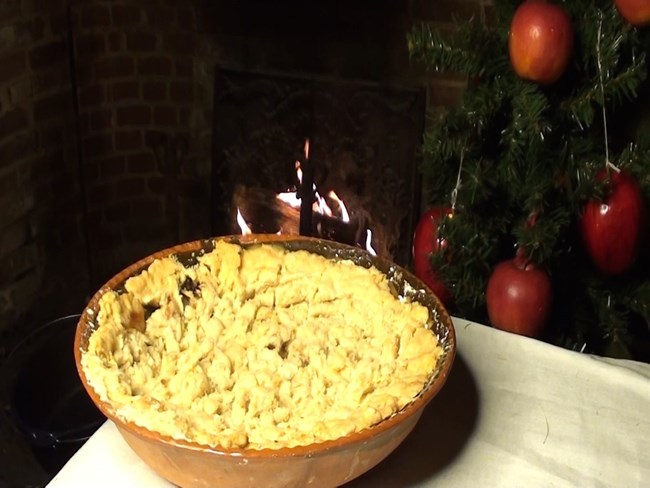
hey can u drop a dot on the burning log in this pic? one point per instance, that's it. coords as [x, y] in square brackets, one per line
[265, 213]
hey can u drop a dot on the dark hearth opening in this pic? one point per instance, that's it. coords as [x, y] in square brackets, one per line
[363, 146]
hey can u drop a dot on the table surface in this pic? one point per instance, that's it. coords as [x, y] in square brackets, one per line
[514, 412]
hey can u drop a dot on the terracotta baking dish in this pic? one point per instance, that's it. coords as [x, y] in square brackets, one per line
[325, 464]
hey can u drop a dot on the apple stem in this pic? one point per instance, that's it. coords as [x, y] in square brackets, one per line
[522, 260]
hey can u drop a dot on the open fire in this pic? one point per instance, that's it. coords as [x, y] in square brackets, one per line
[364, 140]
[320, 204]
[331, 217]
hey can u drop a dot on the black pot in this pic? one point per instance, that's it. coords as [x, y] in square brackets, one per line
[47, 402]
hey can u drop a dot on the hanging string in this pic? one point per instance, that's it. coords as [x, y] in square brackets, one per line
[454, 192]
[608, 164]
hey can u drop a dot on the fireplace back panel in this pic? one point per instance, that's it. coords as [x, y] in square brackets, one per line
[364, 142]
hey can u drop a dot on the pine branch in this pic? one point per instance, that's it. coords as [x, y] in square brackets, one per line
[623, 86]
[610, 317]
[479, 182]
[461, 51]
[622, 63]
[444, 139]
[468, 281]
[543, 240]
[442, 53]
[637, 300]
[635, 159]
[527, 129]
[483, 101]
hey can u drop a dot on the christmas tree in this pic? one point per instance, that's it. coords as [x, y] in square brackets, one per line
[537, 185]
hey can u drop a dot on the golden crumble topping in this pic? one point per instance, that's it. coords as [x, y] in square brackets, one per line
[258, 347]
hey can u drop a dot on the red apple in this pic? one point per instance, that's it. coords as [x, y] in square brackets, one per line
[519, 297]
[612, 228]
[540, 41]
[636, 12]
[425, 242]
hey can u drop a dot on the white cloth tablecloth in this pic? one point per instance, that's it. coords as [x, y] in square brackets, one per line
[515, 412]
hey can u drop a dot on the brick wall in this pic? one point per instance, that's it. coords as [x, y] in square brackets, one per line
[141, 112]
[42, 251]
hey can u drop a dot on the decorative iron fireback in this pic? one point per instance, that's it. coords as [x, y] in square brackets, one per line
[364, 142]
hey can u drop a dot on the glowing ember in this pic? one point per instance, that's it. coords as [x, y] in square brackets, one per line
[245, 229]
[369, 247]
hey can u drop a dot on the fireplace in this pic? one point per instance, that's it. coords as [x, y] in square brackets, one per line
[363, 141]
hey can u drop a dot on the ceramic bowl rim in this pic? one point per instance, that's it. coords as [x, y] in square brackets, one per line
[414, 407]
